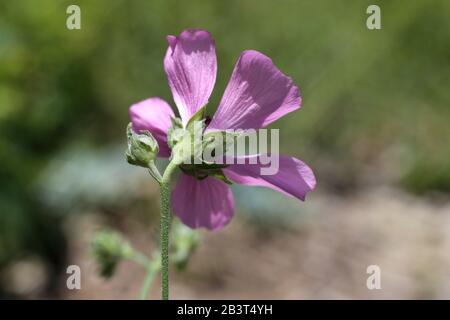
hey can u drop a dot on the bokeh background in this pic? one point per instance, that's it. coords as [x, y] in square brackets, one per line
[374, 126]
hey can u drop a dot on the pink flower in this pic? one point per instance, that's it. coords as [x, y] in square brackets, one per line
[258, 94]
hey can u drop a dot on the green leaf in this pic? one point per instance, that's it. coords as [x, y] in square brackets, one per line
[175, 132]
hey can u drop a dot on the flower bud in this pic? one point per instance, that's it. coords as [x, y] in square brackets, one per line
[184, 243]
[109, 248]
[142, 147]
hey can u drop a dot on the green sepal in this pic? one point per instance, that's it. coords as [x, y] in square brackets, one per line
[211, 140]
[204, 170]
[218, 174]
[175, 132]
[198, 116]
[183, 141]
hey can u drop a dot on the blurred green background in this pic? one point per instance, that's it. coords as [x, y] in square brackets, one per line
[376, 104]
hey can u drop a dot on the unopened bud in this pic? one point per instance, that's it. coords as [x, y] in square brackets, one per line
[109, 248]
[142, 147]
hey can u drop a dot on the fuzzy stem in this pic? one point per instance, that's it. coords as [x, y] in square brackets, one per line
[165, 228]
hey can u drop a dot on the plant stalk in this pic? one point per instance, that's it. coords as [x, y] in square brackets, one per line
[165, 228]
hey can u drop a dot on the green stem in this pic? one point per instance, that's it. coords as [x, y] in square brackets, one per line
[165, 227]
[139, 258]
[152, 270]
[154, 172]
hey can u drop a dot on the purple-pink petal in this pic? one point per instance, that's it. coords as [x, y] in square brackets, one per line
[206, 203]
[258, 93]
[293, 178]
[191, 67]
[154, 115]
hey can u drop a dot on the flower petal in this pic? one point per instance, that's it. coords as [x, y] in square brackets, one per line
[258, 93]
[204, 203]
[293, 178]
[154, 115]
[191, 67]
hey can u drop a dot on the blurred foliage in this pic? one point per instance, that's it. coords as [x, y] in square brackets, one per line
[376, 100]
[109, 248]
[184, 242]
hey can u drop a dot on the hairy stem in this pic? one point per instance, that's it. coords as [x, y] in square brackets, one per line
[165, 228]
